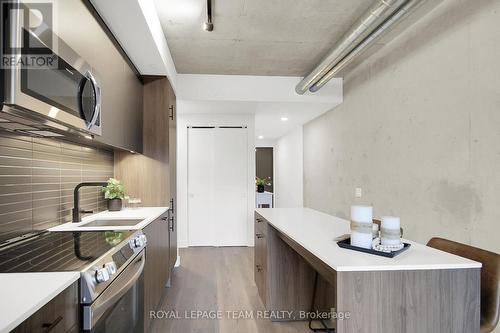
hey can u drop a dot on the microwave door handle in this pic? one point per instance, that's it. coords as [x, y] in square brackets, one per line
[118, 288]
[97, 90]
[97, 106]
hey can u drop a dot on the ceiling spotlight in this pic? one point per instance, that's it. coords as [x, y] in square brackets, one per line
[284, 118]
[209, 26]
[260, 137]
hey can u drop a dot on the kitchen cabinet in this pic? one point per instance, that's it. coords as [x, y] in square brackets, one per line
[80, 27]
[260, 257]
[151, 177]
[61, 314]
[272, 256]
[156, 269]
[148, 175]
[172, 157]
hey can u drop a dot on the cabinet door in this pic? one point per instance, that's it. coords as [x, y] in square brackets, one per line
[156, 272]
[61, 314]
[121, 89]
[172, 153]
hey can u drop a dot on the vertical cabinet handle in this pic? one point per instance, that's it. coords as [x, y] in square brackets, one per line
[171, 220]
[171, 108]
[172, 205]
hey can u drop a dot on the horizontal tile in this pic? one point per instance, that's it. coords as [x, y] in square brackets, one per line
[14, 198]
[15, 162]
[14, 180]
[16, 152]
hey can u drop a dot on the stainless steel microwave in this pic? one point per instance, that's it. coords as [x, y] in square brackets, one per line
[48, 83]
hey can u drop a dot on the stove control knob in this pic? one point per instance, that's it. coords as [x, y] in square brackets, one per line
[139, 241]
[101, 275]
[110, 267]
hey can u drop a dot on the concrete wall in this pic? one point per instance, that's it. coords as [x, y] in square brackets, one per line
[419, 130]
[288, 169]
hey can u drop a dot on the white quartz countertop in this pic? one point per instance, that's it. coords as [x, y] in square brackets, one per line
[147, 214]
[22, 294]
[315, 231]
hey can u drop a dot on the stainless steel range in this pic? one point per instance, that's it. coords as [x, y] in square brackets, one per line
[111, 265]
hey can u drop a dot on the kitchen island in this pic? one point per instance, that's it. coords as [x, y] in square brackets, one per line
[421, 290]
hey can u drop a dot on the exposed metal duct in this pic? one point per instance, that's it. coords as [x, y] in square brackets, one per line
[370, 27]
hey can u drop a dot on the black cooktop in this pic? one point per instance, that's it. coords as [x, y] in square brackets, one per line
[58, 251]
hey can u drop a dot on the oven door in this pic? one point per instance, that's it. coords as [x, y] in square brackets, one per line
[62, 88]
[120, 307]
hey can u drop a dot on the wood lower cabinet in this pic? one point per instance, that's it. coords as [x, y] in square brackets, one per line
[156, 269]
[172, 157]
[61, 314]
[285, 281]
[260, 257]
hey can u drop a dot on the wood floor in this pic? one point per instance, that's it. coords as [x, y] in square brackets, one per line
[216, 279]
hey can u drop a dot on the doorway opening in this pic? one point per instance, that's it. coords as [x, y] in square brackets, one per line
[264, 172]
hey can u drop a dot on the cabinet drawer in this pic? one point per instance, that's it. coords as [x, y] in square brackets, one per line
[61, 314]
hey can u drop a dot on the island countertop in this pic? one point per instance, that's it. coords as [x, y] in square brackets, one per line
[316, 231]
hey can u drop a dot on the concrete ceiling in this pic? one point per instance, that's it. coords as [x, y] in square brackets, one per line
[255, 37]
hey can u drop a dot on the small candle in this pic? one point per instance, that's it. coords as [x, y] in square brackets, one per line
[361, 226]
[390, 233]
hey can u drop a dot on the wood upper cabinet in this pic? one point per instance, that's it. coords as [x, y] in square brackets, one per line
[156, 269]
[61, 314]
[121, 89]
[148, 175]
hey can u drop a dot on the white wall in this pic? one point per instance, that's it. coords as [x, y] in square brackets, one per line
[288, 170]
[185, 120]
[419, 130]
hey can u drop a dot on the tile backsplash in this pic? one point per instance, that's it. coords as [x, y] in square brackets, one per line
[37, 178]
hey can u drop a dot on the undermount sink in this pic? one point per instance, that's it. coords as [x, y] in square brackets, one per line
[113, 223]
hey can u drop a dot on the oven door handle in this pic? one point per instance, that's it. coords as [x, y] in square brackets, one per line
[119, 287]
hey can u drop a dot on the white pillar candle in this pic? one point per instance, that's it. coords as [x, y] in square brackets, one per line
[362, 215]
[390, 226]
[375, 230]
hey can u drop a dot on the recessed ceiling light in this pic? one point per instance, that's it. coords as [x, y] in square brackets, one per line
[260, 137]
[284, 118]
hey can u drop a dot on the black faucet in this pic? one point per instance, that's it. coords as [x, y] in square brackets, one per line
[76, 199]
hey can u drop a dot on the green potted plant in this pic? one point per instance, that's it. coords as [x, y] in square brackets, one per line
[114, 192]
[261, 183]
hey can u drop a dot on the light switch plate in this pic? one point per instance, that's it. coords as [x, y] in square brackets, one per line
[358, 192]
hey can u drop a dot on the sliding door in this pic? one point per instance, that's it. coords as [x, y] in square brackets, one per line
[217, 186]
